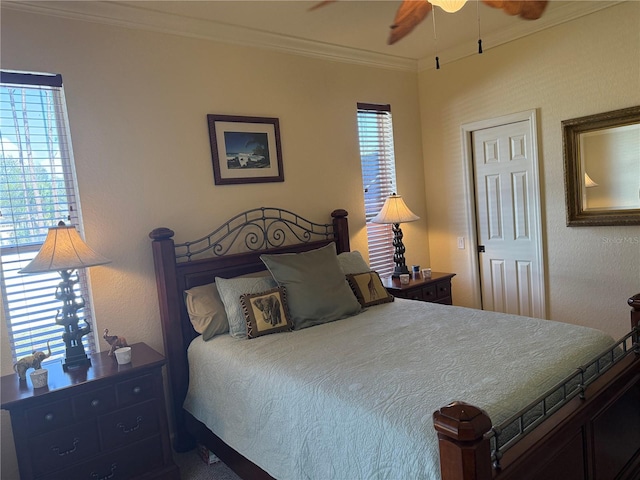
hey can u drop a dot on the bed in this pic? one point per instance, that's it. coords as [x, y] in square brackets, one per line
[549, 400]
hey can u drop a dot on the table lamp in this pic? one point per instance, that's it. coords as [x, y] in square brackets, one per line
[588, 183]
[64, 251]
[394, 212]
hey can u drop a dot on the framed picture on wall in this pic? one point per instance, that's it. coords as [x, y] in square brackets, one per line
[245, 149]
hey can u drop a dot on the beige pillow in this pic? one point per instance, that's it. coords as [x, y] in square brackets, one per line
[206, 311]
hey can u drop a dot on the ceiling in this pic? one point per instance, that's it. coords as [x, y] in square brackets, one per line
[354, 31]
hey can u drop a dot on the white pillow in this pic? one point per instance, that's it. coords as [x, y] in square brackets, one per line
[352, 263]
[231, 290]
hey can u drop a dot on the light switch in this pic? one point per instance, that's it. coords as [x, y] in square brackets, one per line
[461, 243]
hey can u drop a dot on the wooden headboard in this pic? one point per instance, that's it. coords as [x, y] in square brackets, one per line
[232, 249]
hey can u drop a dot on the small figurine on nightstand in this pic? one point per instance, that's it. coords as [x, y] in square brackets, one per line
[115, 341]
[30, 361]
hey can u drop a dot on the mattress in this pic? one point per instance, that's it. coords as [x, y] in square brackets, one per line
[353, 399]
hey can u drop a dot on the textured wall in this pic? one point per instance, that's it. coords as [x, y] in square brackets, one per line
[588, 66]
[137, 109]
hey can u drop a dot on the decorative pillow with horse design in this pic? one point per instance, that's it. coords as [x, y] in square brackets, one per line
[266, 312]
[368, 289]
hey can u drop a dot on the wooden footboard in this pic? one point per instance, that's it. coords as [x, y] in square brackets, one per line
[595, 435]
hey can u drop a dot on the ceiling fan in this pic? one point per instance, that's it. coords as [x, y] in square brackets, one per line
[412, 12]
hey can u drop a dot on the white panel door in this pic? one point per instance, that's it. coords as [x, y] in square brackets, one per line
[508, 224]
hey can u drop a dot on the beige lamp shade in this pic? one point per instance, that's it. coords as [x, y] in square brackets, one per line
[394, 211]
[449, 6]
[63, 249]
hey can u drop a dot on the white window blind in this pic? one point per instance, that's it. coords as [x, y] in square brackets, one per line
[375, 131]
[37, 189]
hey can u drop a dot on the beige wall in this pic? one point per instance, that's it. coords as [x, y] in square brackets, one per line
[138, 102]
[137, 106]
[588, 66]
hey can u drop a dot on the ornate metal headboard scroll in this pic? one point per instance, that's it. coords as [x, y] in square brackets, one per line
[258, 229]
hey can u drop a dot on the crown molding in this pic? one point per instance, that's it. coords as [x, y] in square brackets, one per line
[565, 13]
[129, 16]
[117, 14]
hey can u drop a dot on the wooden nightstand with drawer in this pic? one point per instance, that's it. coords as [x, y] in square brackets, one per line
[436, 289]
[100, 421]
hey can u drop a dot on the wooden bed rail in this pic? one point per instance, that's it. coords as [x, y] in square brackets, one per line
[592, 436]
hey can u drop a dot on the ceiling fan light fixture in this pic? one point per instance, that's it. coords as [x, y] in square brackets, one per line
[449, 6]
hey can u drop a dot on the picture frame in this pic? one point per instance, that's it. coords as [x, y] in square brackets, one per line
[601, 161]
[245, 149]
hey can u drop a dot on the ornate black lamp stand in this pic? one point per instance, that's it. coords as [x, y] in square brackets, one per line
[398, 255]
[67, 316]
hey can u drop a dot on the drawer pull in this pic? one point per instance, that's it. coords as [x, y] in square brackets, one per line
[49, 417]
[95, 403]
[97, 476]
[62, 453]
[124, 428]
[137, 390]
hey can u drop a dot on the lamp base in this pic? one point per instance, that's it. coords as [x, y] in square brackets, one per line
[399, 270]
[75, 357]
[398, 255]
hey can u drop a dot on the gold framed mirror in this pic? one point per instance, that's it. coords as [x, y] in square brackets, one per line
[602, 168]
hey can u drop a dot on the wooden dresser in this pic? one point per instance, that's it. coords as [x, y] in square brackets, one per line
[436, 289]
[105, 421]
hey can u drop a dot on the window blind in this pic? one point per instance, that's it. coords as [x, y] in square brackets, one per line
[37, 189]
[375, 132]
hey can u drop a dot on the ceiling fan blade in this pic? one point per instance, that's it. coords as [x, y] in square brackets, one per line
[409, 14]
[412, 12]
[532, 10]
[527, 9]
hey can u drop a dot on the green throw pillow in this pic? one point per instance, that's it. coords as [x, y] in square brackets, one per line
[317, 291]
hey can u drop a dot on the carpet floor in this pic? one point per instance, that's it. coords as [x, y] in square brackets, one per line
[193, 468]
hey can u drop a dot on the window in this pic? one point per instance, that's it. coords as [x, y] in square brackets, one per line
[37, 190]
[375, 131]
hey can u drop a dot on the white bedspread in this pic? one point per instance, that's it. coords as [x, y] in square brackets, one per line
[354, 399]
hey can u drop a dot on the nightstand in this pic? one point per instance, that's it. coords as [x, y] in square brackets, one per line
[436, 289]
[100, 421]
